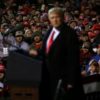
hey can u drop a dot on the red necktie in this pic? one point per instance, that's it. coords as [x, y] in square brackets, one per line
[50, 41]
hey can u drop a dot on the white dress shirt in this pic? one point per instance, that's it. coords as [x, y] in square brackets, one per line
[57, 32]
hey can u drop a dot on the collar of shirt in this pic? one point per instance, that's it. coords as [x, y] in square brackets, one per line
[57, 32]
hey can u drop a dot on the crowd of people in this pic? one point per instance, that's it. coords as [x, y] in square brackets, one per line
[23, 27]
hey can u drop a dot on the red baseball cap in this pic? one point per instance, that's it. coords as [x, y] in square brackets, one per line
[95, 27]
[2, 68]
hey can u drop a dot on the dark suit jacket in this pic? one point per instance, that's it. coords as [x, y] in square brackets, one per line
[62, 62]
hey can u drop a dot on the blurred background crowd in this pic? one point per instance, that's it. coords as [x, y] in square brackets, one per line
[24, 23]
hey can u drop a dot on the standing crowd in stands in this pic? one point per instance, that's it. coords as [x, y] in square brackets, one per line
[23, 26]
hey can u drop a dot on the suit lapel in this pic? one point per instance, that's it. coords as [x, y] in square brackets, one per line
[61, 29]
[54, 43]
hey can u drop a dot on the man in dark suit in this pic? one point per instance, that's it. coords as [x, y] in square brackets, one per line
[60, 60]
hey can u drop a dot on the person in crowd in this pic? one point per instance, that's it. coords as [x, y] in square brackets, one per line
[95, 56]
[73, 24]
[94, 68]
[28, 36]
[36, 45]
[5, 38]
[19, 43]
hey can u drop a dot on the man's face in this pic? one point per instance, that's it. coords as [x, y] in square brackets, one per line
[19, 39]
[1, 75]
[2, 29]
[13, 22]
[19, 18]
[92, 68]
[73, 25]
[36, 38]
[55, 19]
[86, 12]
[85, 38]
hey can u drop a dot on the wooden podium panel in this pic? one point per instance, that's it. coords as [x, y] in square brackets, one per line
[23, 93]
[23, 76]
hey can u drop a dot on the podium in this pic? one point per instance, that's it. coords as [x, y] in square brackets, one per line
[23, 76]
[91, 85]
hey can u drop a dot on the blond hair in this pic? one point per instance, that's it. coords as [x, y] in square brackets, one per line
[56, 10]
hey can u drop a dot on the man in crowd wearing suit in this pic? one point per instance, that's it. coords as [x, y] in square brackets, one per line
[60, 53]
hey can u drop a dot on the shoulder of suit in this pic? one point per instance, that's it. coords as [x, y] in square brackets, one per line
[55, 30]
[68, 28]
[69, 32]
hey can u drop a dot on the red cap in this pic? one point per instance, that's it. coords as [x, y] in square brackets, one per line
[26, 23]
[95, 27]
[85, 22]
[91, 35]
[2, 68]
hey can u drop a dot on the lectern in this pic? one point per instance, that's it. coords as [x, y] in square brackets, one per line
[23, 76]
[91, 85]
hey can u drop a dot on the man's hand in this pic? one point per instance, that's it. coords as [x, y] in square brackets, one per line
[69, 87]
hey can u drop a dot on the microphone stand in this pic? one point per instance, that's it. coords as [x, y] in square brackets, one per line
[58, 89]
